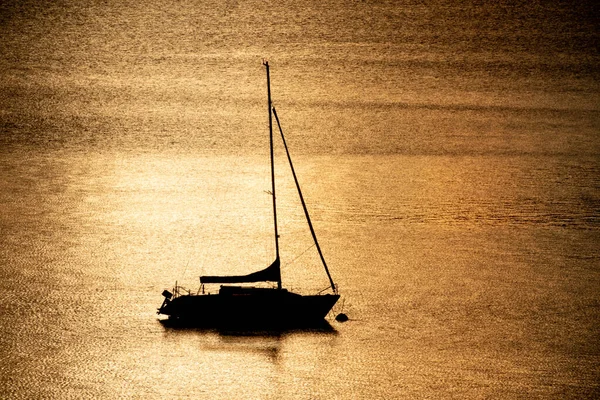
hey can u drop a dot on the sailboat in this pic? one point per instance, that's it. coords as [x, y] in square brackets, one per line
[240, 305]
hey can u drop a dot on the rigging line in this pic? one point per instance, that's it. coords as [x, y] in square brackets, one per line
[312, 231]
[222, 198]
[267, 204]
[265, 228]
[276, 234]
[270, 105]
[182, 276]
[300, 255]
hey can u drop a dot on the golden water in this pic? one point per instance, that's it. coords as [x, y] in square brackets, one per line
[448, 154]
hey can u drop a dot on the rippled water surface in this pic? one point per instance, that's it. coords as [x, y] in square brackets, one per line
[448, 154]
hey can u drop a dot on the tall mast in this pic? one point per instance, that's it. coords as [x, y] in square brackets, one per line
[312, 230]
[266, 64]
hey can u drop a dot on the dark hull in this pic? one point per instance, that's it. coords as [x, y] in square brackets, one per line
[241, 307]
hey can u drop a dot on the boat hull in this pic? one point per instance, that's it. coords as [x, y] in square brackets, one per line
[235, 306]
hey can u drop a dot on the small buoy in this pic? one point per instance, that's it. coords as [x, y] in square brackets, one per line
[341, 317]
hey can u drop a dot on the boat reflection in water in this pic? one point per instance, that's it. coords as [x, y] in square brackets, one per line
[254, 307]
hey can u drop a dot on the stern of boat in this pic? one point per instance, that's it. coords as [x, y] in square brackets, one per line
[164, 308]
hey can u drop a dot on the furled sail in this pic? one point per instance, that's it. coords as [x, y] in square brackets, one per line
[271, 274]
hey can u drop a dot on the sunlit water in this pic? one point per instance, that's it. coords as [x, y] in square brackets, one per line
[448, 155]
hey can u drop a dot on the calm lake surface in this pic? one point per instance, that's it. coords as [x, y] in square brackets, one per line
[449, 153]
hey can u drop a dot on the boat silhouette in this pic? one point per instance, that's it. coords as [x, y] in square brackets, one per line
[246, 306]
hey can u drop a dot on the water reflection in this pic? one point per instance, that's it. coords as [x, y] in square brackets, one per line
[271, 331]
[266, 342]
